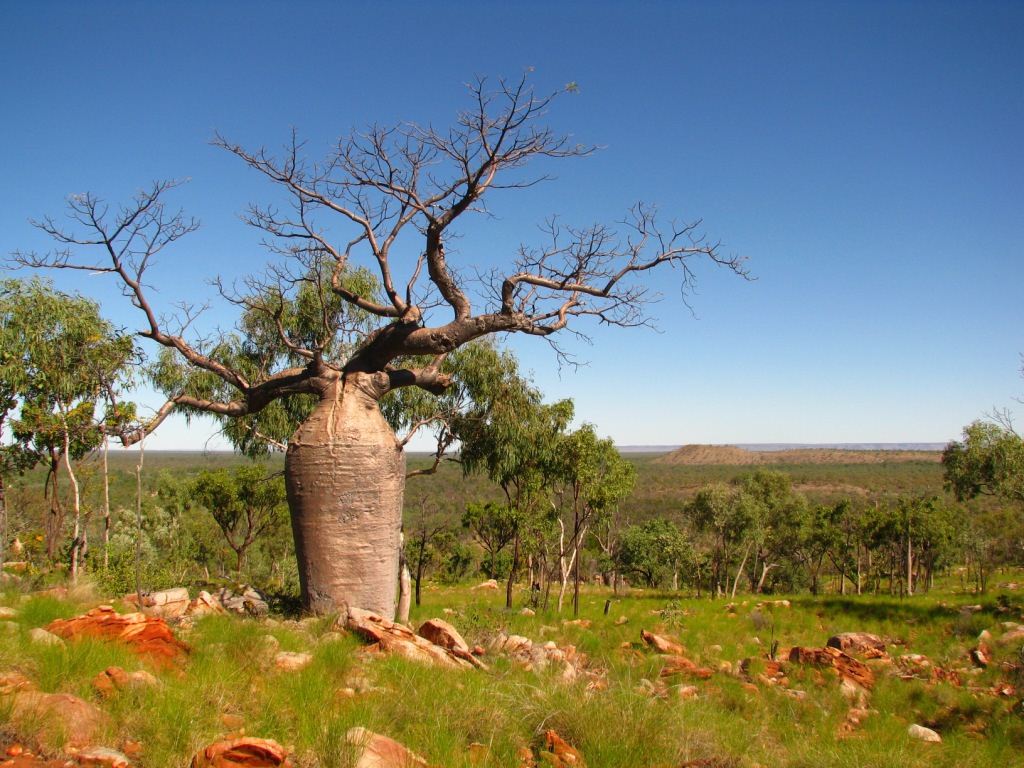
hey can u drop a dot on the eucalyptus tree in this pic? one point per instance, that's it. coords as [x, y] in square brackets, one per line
[61, 358]
[512, 436]
[988, 461]
[246, 503]
[594, 478]
[389, 198]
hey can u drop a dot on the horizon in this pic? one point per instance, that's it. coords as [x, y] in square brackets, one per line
[865, 157]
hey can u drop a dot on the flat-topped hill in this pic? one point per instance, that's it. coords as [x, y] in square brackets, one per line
[731, 455]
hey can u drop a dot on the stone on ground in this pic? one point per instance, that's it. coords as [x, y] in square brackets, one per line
[377, 751]
[147, 636]
[662, 644]
[245, 752]
[921, 733]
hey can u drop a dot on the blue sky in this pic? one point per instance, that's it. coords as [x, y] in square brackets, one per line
[866, 157]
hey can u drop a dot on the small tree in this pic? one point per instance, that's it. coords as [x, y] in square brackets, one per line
[246, 503]
[595, 478]
[654, 550]
[493, 526]
[67, 357]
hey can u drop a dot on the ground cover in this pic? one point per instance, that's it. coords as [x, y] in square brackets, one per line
[617, 709]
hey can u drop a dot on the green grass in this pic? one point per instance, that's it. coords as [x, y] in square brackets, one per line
[440, 713]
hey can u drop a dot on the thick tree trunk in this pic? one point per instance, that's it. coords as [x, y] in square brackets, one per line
[345, 476]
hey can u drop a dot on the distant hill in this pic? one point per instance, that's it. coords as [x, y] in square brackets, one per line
[733, 455]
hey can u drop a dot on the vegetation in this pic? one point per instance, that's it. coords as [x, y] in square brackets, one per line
[229, 680]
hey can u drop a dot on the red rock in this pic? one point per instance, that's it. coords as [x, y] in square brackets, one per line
[856, 642]
[565, 755]
[377, 751]
[440, 632]
[662, 644]
[246, 752]
[145, 635]
[395, 638]
[847, 666]
[58, 720]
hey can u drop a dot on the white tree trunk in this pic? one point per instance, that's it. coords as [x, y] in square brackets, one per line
[76, 544]
[739, 571]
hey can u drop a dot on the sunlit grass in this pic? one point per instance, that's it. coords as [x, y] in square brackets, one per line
[229, 685]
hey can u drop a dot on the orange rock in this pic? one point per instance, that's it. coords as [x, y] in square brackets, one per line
[58, 720]
[566, 755]
[145, 635]
[376, 751]
[394, 638]
[847, 666]
[245, 752]
[662, 644]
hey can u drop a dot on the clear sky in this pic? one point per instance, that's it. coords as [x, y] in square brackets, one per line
[867, 157]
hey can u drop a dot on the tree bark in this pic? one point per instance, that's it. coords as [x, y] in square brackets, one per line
[106, 503]
[345, 476]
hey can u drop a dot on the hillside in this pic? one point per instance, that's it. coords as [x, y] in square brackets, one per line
[697, 455]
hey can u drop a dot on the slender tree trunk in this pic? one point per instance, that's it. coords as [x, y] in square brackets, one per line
[858, 569]
[106, 504]
[404, 584]
[512, 571]
[910, 566]
[138, 521]
[739, 571]
[76, 505]
[3, 524]
[345, 476]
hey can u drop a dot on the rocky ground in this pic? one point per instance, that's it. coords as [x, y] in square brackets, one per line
[214, 680]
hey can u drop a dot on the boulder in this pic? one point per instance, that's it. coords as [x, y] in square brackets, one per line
[8, 613]
[40, 636]
[489, 584]
[440, 632]
[167, 603]
[203, 604]
[845, 665]
[921, 733]
[662, 644]
[57, 720]
[246, 601]
[114, 679]
[856, 642]
[376, 751]
[443, 634]
[147, 636]
[390, 637]
[245, 752]
[292, 662]
[560, 753]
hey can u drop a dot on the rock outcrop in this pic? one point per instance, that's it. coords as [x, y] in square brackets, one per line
[147, 636]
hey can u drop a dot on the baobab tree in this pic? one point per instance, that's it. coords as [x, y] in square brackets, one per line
[375, 192]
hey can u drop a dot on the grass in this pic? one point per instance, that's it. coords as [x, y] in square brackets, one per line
[440, 713]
